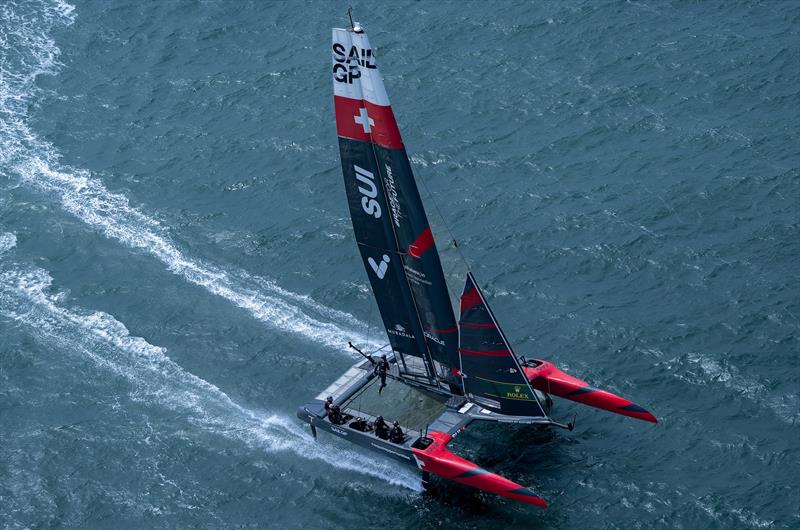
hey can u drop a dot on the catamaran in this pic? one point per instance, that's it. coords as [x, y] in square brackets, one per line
[466, 367]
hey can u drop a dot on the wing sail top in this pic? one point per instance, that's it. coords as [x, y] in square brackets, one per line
[389, 220]
[490, 371]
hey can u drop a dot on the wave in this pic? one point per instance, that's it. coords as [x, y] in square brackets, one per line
[7, 242]
[156, 379]
[701, 369]
[33, 162]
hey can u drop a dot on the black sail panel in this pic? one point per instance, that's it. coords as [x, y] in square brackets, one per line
[378, 248]
[491, 373]
[421, 258]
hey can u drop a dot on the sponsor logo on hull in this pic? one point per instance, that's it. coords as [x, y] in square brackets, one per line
[386, 449]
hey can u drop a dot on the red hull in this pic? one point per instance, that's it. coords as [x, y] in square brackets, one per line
[439, 460]
[547, 378]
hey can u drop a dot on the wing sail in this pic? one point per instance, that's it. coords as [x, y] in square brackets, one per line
[389, 220]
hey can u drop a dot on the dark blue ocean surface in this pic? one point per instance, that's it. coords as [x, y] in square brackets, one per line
[178, 272]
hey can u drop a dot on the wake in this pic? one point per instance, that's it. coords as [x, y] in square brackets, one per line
[31, 161]
[156, 379]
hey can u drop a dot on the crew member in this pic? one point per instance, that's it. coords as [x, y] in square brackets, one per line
[335, 415]
[380, 369]
[360, 424]
[328, 403]
[381, 429]
[396, 434]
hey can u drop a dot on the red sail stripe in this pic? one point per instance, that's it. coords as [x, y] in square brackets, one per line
[351, 115]
[489, 325]
[486, 353]
[420, 245]
[470, 299]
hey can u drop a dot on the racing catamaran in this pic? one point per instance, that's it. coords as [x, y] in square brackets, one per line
[467, 367]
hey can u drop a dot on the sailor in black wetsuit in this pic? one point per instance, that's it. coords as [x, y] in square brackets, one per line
[381, 429]
[360, 424]
[380, 369]
[328, 403]
[396, 434]
[335, 415]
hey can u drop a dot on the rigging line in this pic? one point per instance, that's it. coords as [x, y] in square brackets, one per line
[453, 239]
[358, 395]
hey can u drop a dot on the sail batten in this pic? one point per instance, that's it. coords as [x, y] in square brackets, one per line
[389, 220]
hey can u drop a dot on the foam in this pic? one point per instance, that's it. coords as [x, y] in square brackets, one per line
[7, 242]
[35, 162]
[155, 379]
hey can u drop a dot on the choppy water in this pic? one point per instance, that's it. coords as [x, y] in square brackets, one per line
[177, 270]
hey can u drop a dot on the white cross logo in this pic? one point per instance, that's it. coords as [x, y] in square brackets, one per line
[364, 120]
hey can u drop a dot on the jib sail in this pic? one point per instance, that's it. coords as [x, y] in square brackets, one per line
[490, 371]
[389, 221]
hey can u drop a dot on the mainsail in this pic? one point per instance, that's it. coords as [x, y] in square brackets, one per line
[389, 221]
[491, 373]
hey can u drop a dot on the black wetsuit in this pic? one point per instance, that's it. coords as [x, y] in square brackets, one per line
[360, 425]
[381, 369]
[381, 430]
[335, 415]
[396, 435]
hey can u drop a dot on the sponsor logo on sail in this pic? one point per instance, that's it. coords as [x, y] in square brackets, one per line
[517, 393]
[348, 64]
[391, 192]
[369, 190]
[380, 269]
[400, 331]
[434, 338]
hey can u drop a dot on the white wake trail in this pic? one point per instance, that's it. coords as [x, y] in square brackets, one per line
[156, 379]
[32, 161]
[87, 199]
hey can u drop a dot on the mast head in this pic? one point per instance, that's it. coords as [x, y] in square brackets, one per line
[355, 27]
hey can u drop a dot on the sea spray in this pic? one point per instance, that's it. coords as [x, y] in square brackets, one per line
[156, 379]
